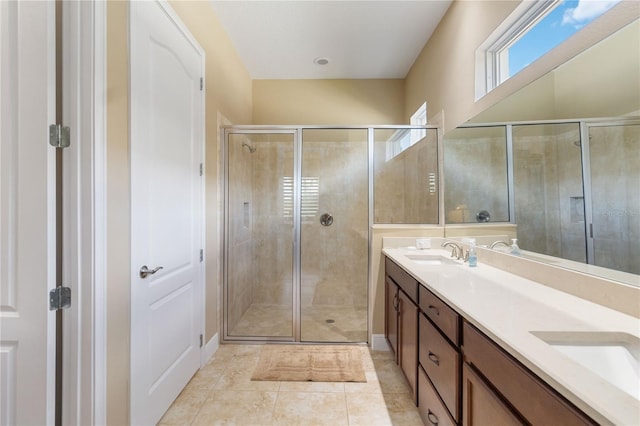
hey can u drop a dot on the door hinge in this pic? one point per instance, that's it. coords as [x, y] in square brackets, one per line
[59, 298]
[59, 136]
[201, 169]
[201, 341]
[201, 255]
[201, 83]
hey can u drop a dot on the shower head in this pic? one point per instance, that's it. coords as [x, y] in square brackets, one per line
[252, 149]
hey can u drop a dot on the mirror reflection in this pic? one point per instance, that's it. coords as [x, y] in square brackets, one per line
[562, 157]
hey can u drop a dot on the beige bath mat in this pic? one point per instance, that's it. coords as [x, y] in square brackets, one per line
[310, 363]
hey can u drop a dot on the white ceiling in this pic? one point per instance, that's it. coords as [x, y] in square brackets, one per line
[362, 39]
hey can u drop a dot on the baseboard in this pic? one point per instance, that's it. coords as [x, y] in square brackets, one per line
[379, 343]
[210, 348]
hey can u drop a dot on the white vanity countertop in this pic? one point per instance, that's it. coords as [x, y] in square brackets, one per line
[507, 308]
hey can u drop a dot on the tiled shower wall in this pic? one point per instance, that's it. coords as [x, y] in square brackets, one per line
[334, 258]
[475, 175]
[403, 190]
[549, 200]
[241, 268]
[615, 177]
[272, 246]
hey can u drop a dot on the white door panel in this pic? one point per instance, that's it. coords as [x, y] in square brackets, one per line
[166, 189]
[27, 213]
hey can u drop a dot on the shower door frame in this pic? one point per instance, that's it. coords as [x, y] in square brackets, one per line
[295, 296]
[297, 130]
[585, 141]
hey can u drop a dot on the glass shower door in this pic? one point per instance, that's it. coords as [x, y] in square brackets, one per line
[614, 152]
[258, 284]
[334, 220]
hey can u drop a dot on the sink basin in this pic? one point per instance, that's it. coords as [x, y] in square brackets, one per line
[613, 356]
[431, 259]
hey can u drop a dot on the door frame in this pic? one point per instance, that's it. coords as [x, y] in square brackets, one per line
[84, 219]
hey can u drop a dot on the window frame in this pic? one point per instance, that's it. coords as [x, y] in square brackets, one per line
[492, 57]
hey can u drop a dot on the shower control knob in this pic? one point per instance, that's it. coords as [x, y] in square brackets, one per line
[326, 219]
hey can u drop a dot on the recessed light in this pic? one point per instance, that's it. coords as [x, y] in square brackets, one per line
[321, 60]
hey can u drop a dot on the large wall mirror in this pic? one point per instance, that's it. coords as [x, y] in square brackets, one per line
[561, 160]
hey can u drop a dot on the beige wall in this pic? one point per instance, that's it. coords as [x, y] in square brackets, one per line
[444, 72]
[328, 102]
[228, 94]
[118, 223]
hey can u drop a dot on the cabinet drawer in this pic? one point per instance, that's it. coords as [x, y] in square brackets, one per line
[531, 397]
[441, 361]
[431, 409]
[447, 320]
[406, 282]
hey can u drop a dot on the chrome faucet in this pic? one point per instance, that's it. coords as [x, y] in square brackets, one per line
[497, 243]
[456, 249]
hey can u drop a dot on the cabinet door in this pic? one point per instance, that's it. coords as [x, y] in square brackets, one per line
[409, 339]
[391, 315]
[480, 406]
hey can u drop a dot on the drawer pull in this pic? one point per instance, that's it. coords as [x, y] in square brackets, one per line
[434, 358]
[435, 309]
[433, 419]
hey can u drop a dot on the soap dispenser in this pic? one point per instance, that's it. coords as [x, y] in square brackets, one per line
[473, 256]
[515, 250]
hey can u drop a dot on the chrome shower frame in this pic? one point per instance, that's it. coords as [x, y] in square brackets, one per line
[296, 131]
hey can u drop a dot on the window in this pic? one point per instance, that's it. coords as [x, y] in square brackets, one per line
[419, 118]
[532, 30]
[405, 138]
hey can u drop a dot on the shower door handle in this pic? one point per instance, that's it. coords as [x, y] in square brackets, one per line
[326, 219]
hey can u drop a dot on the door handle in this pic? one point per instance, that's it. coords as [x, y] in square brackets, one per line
[145, 271]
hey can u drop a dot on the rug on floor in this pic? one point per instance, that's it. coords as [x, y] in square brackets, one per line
[315, 363]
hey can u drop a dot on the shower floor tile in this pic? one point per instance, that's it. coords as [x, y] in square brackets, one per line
[222, 393]
[320, 323]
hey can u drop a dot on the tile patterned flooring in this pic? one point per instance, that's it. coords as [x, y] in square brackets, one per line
[222, 393]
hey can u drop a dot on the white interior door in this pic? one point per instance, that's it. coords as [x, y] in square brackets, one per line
[27, 213]
[166, 217]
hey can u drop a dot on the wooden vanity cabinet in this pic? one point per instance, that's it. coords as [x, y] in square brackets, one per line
[458, 375]
[481, 405]
[408, 333]
[492, 376]
[432, 409]
[439, 360]
[401, 324]
[391, 315]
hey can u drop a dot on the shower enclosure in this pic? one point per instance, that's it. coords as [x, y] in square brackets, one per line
[299, 206]
[570, 186]
[297, 235]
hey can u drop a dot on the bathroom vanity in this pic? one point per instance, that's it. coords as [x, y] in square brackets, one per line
[482, 346]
